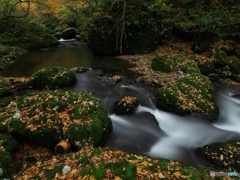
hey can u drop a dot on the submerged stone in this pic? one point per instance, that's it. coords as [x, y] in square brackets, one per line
[223, 155]
[125, 105]
[53, 77]
[50, 116]
[190, 94]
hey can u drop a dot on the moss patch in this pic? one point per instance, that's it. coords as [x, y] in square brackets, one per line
[54, 76]
[191, 94]
[47, 117]
[5, 88]
[111, 164]
[170, 63]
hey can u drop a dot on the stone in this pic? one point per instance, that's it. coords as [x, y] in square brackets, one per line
[125, 105]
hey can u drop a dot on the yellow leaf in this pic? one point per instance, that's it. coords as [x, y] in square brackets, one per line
[117, 178]
[178, 174]
[161, 176]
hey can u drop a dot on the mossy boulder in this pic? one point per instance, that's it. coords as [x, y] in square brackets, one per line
[125, 105]
[7, 146]
[206, 65]
[49, 116]
[53, 77]
[170, 63]
[103, 163]
[190, 94]
[224, 72]
[69, 33]
[220, 57]
[223, 155]
[5, 87]
[234, 66]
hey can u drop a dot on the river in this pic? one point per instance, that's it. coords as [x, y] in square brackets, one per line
[149, 131]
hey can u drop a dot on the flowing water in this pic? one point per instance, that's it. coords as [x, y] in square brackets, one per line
[149, 131]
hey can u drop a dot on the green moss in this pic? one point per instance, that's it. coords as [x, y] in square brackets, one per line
[234, 66]
[8, 143]
[5, 88]
[191, 94]
[50, 174]
[47, 117]
[123, 169]
[21, 33]
[54, 76]
[206, 67]
[170, 63]
[98, 173]
[220, 58]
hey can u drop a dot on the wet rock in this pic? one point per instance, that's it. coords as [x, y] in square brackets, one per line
[125, 105]
[79, 69]
[190, 94]
[69, 33]
[36, 117]
[139, 79]
[223, 155]
[115, 79]
[53, 77]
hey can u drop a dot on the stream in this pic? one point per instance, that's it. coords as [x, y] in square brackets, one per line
[149, 130]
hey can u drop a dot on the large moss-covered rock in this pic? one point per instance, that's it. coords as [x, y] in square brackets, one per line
[7, 146]
[223, 155]
[190, 94]
[170, 63]
[102, 163]
[220, 57]
[53, 77]
[125, 105]
[49, 116]
[5, 88]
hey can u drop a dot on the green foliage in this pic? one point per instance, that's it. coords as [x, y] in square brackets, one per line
[25, 35]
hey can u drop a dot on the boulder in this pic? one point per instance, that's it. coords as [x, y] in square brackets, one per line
[5, 87]
[170, 63]
[48, 117]
[53, 77]
[69, 33]
[223, 155]
[7, 146]
[220, 57]
[190, 94]
[125, 105]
